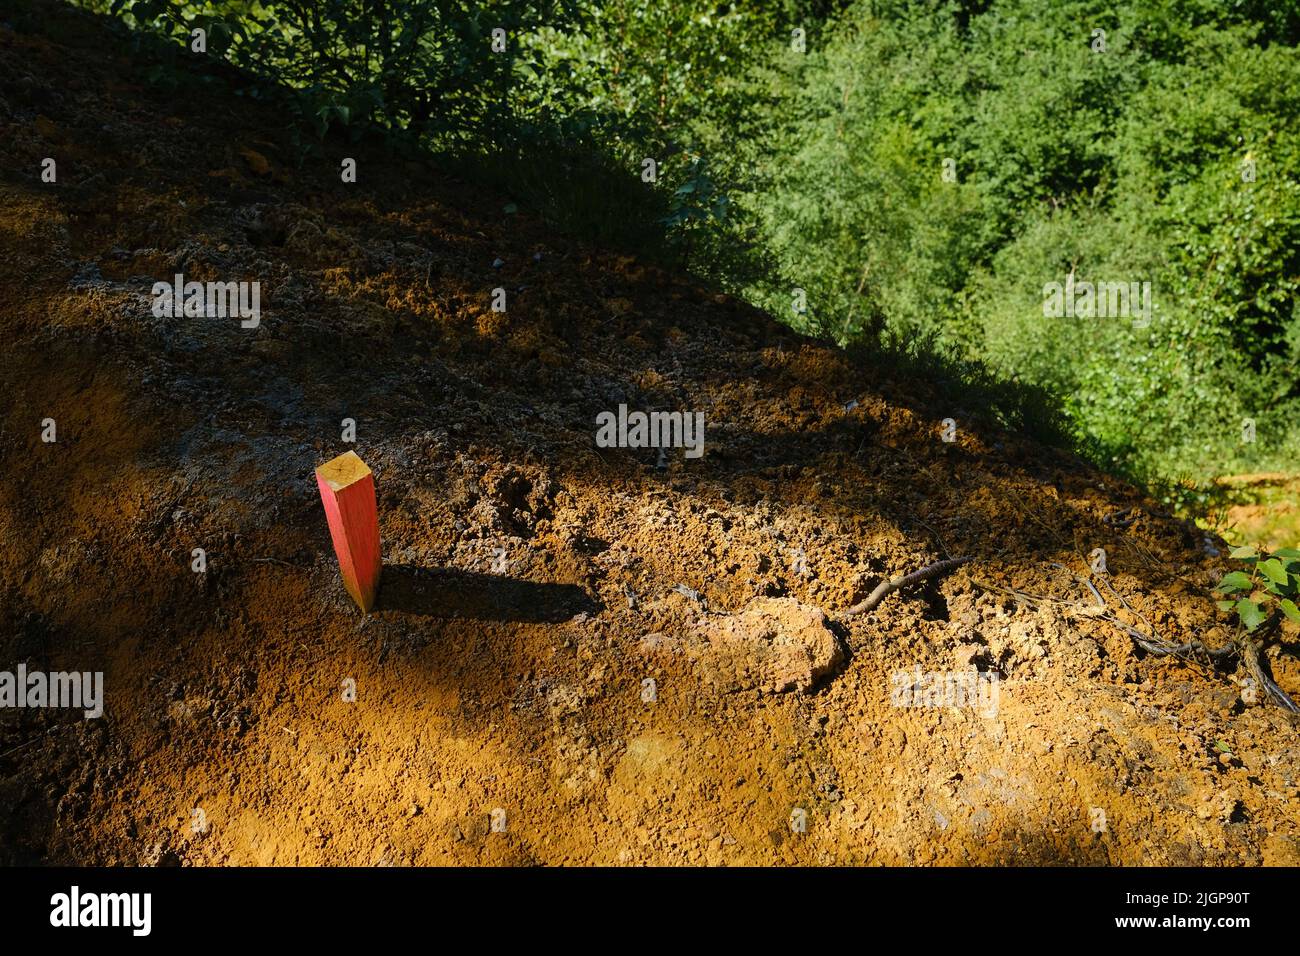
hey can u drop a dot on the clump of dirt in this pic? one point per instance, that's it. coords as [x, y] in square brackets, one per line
[581, 654]
[777, 644]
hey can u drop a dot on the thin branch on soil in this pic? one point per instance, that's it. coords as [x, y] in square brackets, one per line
[1193, 652]
[886, 588]
[287, 564]
[41, 736]
[1254, 657]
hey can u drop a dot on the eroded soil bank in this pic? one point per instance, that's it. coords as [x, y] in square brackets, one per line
[635, 664]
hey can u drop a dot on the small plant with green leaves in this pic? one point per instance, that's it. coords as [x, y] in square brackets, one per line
[1268, 588]
[699, 198]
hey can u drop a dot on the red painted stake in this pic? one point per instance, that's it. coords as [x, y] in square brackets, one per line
[347, 489]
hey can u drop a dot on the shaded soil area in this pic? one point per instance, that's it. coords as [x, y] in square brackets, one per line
[581, 655]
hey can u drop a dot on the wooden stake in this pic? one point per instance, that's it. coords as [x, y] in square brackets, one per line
[347, 489]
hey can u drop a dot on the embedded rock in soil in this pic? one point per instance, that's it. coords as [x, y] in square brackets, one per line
[775, 644]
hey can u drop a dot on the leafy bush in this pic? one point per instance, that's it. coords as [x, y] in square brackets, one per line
[1123, 162]
[429, 67]
[919, 175]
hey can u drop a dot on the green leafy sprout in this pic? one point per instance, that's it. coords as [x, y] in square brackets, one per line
[1269, 586]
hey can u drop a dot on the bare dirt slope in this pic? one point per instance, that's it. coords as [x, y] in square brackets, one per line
[533, 582]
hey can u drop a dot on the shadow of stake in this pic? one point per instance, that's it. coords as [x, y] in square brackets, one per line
[451, 593]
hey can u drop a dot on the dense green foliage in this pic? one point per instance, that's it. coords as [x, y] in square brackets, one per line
[1127, 163]
[429, 67]
[907, 176]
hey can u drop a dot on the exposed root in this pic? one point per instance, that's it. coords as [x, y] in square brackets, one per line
[1249, 652]
[886, 588]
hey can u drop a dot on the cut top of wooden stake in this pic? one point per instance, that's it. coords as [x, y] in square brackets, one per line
[346, 469]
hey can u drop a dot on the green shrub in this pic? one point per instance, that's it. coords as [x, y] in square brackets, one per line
[424, 66]
[915, 179]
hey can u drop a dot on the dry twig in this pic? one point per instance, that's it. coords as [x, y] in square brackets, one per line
[887, 588]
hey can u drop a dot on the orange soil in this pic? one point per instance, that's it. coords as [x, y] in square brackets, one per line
[523, 686]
